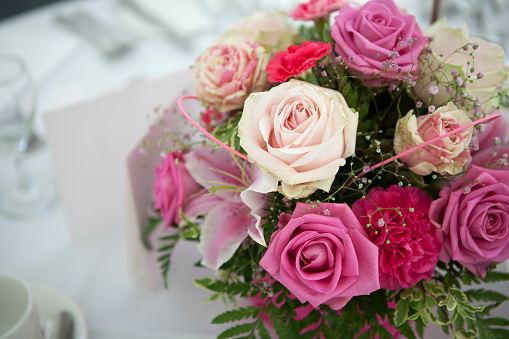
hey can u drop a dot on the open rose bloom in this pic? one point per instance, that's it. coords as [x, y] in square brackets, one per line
[351, 180]
[378, 41]
[447, 155]
[299, 132]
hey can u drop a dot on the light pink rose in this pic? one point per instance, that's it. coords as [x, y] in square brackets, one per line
[474, 217]
[271, 30]
[316, 9]
[378, 41]
[488, 59]
[300, 133]
[173, 187]
[445, 156]
[322, 259]
[226, 73]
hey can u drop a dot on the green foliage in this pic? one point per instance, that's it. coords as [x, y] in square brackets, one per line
[165, 252]
[440, 301]
[228, 132]
[187, 231]
[236, 315]
[147, 231]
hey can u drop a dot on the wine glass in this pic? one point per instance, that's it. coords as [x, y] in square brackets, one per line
[25, 197]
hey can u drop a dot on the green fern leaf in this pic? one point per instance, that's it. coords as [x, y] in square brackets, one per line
[236, 331]
[236, 315]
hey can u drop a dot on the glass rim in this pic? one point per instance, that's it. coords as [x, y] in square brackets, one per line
[14, 59]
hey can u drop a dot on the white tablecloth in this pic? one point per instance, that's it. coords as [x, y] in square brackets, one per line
[94, 270]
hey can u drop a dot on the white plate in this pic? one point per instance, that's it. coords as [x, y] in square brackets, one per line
[49, 301]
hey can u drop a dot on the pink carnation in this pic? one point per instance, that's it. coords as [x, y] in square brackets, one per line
[315, 9]
[173, 185]
[296, 60]
[408, 243]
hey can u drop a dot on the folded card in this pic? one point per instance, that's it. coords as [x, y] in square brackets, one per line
[89, 143]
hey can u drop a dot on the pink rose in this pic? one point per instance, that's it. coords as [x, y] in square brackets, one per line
[300, 133]
[445, 156]
[492, 157]
[296, 60]
[409, 244]
[226, 73]
[322, 255]
[173, 186]
[378, 41]
[316, 9]
[482, 139]
[474, 217]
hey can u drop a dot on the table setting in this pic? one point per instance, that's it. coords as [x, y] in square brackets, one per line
[105, 90]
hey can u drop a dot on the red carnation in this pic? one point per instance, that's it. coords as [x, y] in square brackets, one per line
[296, 60]
[409, 244]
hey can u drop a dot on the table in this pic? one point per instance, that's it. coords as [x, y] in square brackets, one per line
[94, 271]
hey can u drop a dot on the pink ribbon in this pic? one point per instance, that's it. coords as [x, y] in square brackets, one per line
[211, 137]
[203, 130]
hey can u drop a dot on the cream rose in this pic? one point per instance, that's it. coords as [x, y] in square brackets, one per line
[300, 133]
[488, 61]
[271, 30]
[226, 73]
[445, 156]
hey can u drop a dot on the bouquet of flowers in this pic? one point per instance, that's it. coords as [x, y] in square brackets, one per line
[353, 180]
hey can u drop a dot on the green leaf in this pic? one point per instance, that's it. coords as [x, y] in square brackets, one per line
[486, 295]
[407, 331]
[165, 257]
[496, 276]
[460, 295]
[327, 333]
[401, 314]
[464, 313]
[236, 331]
[236, 315]
[441, 319]
[210, 284]
[419, 327]
[262, 331]
[449, 302]
[501, 332]
[228, 132]
[311, 78]
[326, 37]
[473, 309]
[468, 278]
[363, 112]
[282, 330]
[145, 233]
[463, 334]
[497, 322]
[434, 288]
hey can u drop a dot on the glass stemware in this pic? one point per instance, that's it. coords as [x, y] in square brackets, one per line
[25, 197]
